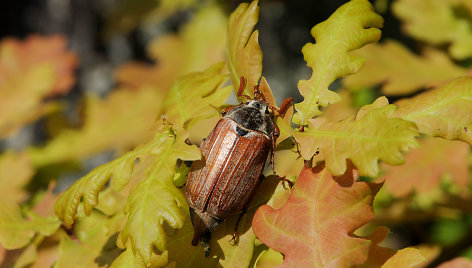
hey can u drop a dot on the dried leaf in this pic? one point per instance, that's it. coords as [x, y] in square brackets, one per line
[426, 165]
[459, 262]
[444, 112]
[399, 71]
[438, 22]
[107, 126]
[31, 71]
[243, 53]
[352, 26]
[374, 135]
[15, 172]
[16, 231]
[314, 228]
[199, 44]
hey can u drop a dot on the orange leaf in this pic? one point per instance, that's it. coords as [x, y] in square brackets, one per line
[390, 258]
[315, 227]
[425, 166]
[457, 263]
[18, 57]
[31, 71]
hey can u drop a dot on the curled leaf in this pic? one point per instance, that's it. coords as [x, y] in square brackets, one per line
[89, 186]
[399, 71]
[351, 26]
[243, 53]
[375, 135]
[314, 228]
[443, 112]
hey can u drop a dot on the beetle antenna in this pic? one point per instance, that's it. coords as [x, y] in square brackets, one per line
[242, 86]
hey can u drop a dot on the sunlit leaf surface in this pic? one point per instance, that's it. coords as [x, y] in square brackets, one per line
[375, 135]
[399, 71]
[314, 228]
[438, 22]
[243, 53]
[350, 27]
[443, 112]
[425, 166]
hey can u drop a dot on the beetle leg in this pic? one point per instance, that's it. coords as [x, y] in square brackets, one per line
[284, 107]
[242, 86]
[235, 233]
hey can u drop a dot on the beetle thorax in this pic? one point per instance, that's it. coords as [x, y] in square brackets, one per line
[253, 115]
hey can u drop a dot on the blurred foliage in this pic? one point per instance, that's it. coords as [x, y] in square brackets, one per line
[128, 212]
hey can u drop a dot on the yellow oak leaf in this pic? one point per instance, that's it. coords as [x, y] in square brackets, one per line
[199, 44]
[15, 172]
[350, 27]
[107, 126]
[89, 186]
[88, 249]
[31, 71]
[129, 14]
[399, 71]
[443, 112]
[438, 22]
[268, 259]
[16, 231]
[375, 135]
[196, 96]
[425, 166]
[243, 53]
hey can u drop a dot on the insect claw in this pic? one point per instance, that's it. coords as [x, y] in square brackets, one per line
[235, 234]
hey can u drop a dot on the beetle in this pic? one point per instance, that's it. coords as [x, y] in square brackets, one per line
[234, 155]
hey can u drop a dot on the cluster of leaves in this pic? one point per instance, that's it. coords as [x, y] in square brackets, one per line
[130, 213]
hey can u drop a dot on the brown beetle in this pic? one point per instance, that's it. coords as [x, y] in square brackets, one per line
[234, 156]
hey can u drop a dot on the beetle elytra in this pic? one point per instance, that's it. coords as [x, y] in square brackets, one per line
[234, 157]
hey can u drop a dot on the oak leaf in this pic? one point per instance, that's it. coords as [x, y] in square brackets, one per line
[443, 112]
[16, 231]
[459, 262]
[107, 126]
[399, 71]
[315, 226]
[196, 96]
[375, 135]
[350, 27]
[243, 53]
[87, 250]
[384, 257]
[31, 71]
[438, 23]
[199, 44]
[424, 167]
[15, 172]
